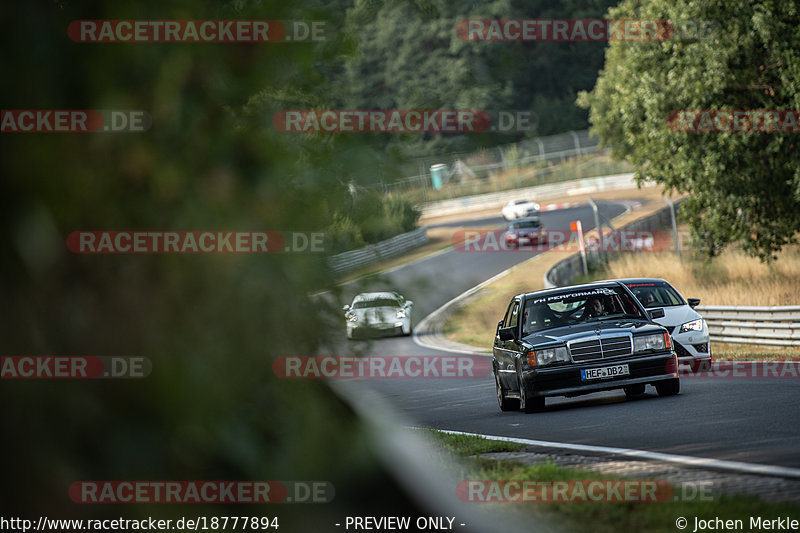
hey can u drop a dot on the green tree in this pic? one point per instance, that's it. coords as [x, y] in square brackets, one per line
[744, 186]
[407, 55]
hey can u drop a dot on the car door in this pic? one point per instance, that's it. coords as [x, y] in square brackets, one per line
[505, 350]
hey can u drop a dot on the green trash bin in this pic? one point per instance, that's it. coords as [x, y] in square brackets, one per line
[437, 175]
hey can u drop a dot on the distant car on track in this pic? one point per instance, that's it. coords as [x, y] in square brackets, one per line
[520, 209]
[524, 231]
[688, 329]
[378, 312]
[579, 340]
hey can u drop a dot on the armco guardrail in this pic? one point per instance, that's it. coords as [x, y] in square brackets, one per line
[779, 325]
[373, 253]
[537, 193]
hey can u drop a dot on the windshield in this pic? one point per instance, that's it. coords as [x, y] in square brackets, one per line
[656, 294]
[527, 224]
[377, 302]
[577, 307]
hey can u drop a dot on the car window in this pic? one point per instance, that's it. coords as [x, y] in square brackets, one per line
[512, 318]
[575, 307]
[656, 294]
[376, 302]
[529, 224]
[507, 316]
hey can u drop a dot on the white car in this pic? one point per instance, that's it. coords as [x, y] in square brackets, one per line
[520, 209]
[688, 329]
[378, 312]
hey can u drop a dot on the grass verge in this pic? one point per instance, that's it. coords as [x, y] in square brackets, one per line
[580, 516]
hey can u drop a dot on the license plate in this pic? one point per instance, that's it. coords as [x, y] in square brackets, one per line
[605, 372]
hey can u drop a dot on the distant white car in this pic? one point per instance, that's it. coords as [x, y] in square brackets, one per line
[520, 209]
[688, 329]
[378, 312]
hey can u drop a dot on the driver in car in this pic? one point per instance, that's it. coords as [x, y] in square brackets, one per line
[648, 299]
[595, 307]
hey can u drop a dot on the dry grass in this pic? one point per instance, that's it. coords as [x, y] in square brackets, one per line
[723, 351]
[731, 279]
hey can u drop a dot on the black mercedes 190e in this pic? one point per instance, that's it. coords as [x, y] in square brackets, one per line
[578, 340]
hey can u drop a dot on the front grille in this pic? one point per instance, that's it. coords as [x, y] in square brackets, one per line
[585, 350]
[604, 347]
[701, 348]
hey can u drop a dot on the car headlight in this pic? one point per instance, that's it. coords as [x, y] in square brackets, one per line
[401, 313]
[549, 356]
[694, 325]
[351, 317]
[650, 343]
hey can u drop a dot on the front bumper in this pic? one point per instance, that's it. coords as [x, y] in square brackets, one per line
[565, 380]
[524, 240]
[692, 348]
[396, 327]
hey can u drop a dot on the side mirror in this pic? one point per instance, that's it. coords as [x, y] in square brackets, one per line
[506, 334]
[656, 313]
[693, 302]
[409, 303]
[346, 308]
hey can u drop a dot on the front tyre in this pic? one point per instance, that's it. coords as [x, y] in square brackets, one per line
[506, 404]
[528, 403]
[668, 388]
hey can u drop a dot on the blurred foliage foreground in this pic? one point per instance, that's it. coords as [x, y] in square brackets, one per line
[211, 324]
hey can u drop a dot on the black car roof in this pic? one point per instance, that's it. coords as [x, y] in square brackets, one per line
[628, 281]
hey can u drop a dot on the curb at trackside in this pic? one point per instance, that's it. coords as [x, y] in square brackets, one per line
[685, 460]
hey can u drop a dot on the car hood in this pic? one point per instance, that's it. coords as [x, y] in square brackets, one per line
[604, 327]
[676, 315]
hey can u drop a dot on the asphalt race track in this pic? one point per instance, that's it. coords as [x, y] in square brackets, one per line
[742, 419]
